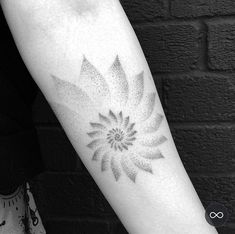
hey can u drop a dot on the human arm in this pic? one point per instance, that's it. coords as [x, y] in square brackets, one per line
[87, 61]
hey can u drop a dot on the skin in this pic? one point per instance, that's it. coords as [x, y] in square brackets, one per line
[82, 7]
[86, 65]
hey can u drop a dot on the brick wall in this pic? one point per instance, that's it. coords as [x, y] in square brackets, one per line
[190, 47]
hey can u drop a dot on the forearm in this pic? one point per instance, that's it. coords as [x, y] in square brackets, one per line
[88, 63]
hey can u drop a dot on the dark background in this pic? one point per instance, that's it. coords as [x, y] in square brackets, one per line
[190, 47]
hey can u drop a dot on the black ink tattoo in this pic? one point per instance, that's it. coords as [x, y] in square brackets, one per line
[12, 199]
[125, 138]
[12, 204]
[3, 223]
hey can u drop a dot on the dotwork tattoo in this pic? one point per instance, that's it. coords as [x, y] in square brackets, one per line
[126, 137]
[119, 131]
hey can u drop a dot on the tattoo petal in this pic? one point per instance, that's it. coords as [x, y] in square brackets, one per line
[115, 168]
[105, 161]
[113, 116]
[98, 126]
[120, 117]
[126, 121]
[152, 124]
[118, 84]
[153, 142]
[104, 119]
[98, 153]
[128, 168]
[136, 90]
[93, 82]
[141, 163]
[146, 107]
[94, 144]
[95, 134]
[151, 155]
[74, 96]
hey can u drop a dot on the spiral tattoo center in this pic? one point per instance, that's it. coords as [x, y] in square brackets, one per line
[120, 139]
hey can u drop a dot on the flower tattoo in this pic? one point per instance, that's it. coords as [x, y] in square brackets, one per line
[124, 136]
